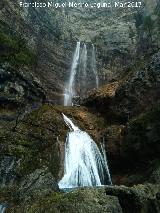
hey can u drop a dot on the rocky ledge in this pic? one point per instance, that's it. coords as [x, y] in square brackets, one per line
[107, 199]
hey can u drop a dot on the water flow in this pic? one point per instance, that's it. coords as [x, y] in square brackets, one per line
[82, 73]
[94, 68]
[84, 164]
[70, 88]
[105, 160]
[2, 208]
[84, 60]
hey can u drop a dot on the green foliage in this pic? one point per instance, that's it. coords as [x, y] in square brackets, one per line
[15, 51]
[148, 23]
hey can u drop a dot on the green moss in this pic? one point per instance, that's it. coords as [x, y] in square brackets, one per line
[58, 202]
[15, 51]
[38, 136]
[79, 200]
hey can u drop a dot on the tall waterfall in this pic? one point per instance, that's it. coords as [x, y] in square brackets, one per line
[82, 78]
[83, 73]
[94, 66]
[84, 164]
[2, 208]
[70, 88]
[84, 60]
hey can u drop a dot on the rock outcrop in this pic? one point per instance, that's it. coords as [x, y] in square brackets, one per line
[131, 108]
[114, 199]
[19, 88]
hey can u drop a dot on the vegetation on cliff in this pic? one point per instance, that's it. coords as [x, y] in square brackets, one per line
[14, 51]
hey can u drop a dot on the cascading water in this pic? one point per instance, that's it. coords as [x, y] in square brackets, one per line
[94, 66]
[84, 164]
[82, 77]
[2, 208]
[83, 74]
[84, 60]
[105, 160]
[70, 88]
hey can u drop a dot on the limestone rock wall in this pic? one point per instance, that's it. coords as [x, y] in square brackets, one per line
[120, 35]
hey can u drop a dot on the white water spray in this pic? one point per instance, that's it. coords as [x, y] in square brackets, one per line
[84, 164]
[84, 62]
[94, 66]
[80, 81]
[2, 208]
[82, 73]
[70, 88]
[105, 160]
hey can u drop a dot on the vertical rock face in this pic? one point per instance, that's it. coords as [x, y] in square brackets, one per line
[42, 32]
[37, 45]
[19, 88]
[120, 36]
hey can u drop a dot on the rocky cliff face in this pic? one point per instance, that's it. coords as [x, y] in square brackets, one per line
[41, 32]
[131, 108]
[121, 35]
[36, 51]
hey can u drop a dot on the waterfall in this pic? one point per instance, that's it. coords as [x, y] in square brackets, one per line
[7, 175]
[80, 81]
[94, 66]
[84, 60]
[70, 88]
[84, 164]
[105, 160]
[2, 208]
[82, 78]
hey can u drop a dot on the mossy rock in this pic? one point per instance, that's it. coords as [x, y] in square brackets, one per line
[38, 139]
[80, 200]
